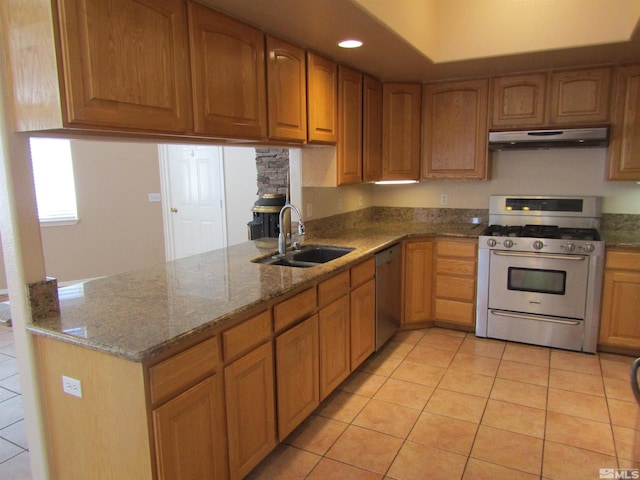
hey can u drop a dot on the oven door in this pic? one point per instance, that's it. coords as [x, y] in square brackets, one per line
[538, 283]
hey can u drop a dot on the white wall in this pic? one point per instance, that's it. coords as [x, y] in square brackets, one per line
[241, 190]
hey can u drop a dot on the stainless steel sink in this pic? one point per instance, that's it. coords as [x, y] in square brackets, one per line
[307, 256]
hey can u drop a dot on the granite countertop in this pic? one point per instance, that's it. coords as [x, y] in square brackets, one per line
[138, 314]
[621, 238]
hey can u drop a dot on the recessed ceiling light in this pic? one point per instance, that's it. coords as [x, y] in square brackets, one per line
[350, 43]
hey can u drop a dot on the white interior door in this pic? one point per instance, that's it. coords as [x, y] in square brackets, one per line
[194, 209]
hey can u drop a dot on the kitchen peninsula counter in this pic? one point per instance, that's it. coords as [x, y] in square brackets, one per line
[139, 314]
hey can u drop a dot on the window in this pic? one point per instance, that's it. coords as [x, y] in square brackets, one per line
[53, 177]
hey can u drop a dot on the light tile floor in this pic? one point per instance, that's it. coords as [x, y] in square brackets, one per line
[14, 453]
[433, 404]
[440, 404]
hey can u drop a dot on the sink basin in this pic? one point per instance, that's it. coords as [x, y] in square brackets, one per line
[307, 256]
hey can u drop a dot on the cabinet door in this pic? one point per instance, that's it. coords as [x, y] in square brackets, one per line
[371, 130]
[418, 283]
[322, 99]
[228, 74]
[286, 91]
[455, 131]
[363, 323]
[349, 126]
[580, 96]
[335, 351]
[619, 325]
[624, 146]
[249, 394]
[126, 64]
[189, 433]
[519, 100]
[401, 131]
[297, 373]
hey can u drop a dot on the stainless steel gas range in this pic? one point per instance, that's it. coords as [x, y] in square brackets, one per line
[540, 269]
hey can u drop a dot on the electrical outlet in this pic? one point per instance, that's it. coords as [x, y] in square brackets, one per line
[444, 199]
[339, 204]
[155, 197]
[309, 210]
[359, 200]
[72, 386]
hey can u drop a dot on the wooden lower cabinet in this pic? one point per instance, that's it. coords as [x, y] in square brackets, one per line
[297, 367]
[418, 281]
[335, 358]
[620, 320]
[455, 277]
[249, 393]
[363, 326]
[189, 433]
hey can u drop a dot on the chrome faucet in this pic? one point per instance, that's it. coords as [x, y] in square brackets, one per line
[282, 237]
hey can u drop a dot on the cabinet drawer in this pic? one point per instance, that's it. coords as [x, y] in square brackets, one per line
[296, 308]
[453, 311]
[455, 288]
[250, 333]
[363, 272]
[174, 374]
[623, 260]
[450, 266]
[334, 288]
[456, 249]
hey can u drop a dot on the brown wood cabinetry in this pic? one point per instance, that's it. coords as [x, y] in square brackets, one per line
[624, 147]
[124, 65]
[401, 131]
[363, 312]
[286, 91]
[349, 126]
[418, 281]
[454, 140]
[228, 73]
[619, 324]
[322, 99]
[455, 277]
[335, 348]
[297, 368]
[189, 433]
[371, 130]
[567, 97]
[249, 394]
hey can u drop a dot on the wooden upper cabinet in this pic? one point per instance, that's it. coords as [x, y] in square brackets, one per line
[569, 97]
[349, 149]
[580, 96]
[123, 65]
[455, 130]
[228, 73]
[371, 129]
[624, 146]
[401, 131]
[518, 100]
[286, 91]
[322, 99]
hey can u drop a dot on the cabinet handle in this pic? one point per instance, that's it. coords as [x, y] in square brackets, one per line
[634, 379]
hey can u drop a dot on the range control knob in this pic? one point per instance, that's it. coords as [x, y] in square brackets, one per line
[538, 245]
[569, 247]
[507, 243]
[589, 248]
[491, 242]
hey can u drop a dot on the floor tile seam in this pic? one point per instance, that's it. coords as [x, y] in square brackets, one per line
[559, 389]
[396, 404]
[386, 433]
[546, 439]
[507, 466]
[580, 417]
[579, 448]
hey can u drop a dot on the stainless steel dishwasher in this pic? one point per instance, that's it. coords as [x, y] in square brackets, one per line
[388, 283]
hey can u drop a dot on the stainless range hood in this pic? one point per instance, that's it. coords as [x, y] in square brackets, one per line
[536, 139]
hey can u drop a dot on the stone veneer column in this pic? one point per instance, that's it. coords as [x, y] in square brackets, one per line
[272, 165]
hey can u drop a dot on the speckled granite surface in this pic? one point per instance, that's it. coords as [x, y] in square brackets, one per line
[139, 314]
[620, 230]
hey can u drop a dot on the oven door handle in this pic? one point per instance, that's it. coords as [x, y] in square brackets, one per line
[553, 256]
[531, 316]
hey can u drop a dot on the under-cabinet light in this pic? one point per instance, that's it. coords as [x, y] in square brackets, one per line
[395, 182]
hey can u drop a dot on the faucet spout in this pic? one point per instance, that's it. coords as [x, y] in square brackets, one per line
[282, 237]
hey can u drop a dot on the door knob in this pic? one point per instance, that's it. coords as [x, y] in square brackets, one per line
[174, 210]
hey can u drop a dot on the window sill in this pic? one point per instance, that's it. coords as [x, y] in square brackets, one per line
[59, 223]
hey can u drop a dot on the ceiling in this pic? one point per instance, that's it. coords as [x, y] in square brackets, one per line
[426, 40]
